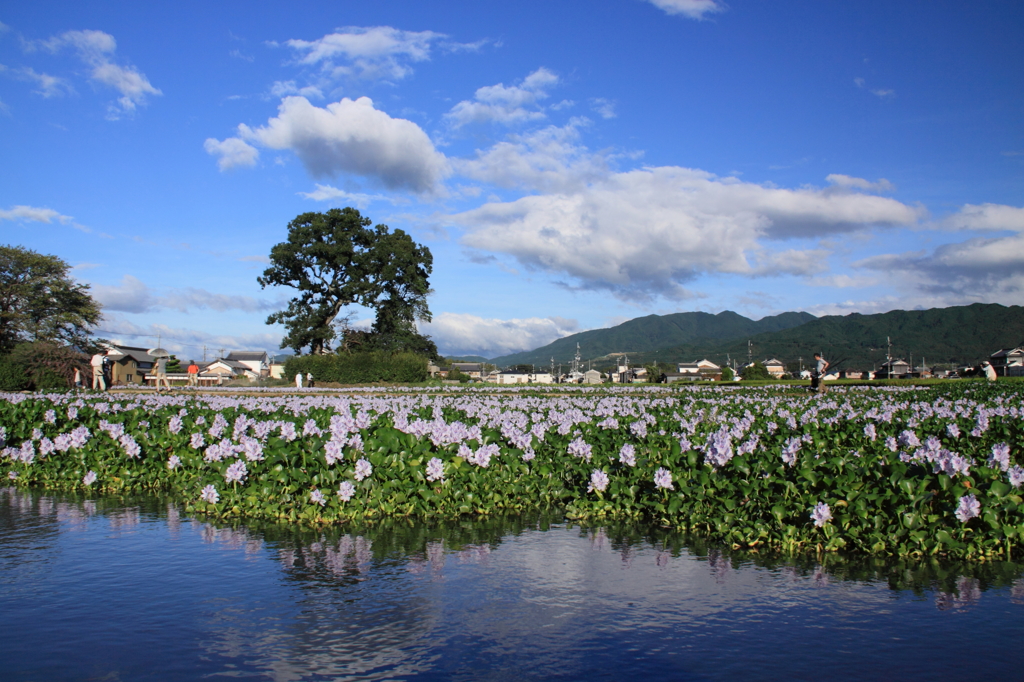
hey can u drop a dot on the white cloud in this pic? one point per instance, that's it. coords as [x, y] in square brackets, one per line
[378, 52]
[550, 160]
[848, 182]
[695, 9]
[508, 105]
[96, 49]
[285, 88]
[464, 334]
[985, 217]
[232, 152]
[605, 108]
[883, 93]
[646, 232]
[329, 193]
[353, 137]
[33, 214]
[134, 296]
[49, 86]
[185, 343]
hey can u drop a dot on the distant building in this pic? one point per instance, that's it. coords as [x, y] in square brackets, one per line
[1008, 362]
[894, 369]
[474, 370]
[592, 376]
[512, 377]
[256, 360]
[130, 364]
[775, 368]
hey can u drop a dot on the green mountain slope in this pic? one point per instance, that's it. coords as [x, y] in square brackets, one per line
[653, 332]
[957, 335]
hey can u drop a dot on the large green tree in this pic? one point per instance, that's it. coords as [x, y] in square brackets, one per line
[40, 302]
[336, 259]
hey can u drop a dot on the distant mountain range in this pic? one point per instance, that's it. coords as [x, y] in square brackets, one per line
[956, 335]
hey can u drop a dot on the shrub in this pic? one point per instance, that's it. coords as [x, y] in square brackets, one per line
[360, 368]
[12, 375]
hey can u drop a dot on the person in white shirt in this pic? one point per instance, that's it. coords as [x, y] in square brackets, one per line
[298, 380]
[98, 382]
[990, 371]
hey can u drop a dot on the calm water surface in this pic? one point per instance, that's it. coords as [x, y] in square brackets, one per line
[131, 589]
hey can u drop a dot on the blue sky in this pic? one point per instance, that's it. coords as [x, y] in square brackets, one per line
[571, 165]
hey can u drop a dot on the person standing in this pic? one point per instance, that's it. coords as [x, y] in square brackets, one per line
[96, 363]
[193, 374]
[989, 370]
[161, 374]
[298, 380]
[821, 364]
[309, 379]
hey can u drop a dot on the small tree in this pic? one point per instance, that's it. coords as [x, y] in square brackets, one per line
[755, 371]
[728, 374]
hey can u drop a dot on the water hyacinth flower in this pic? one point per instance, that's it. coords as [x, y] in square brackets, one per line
[175, 425]
[210, 494]
[131, 448]
[317, 497]
[363, 469]
[1000, 456]
[663, 479]
[197, 441]
[346, 490]
[627, 455]
[580, 448]
[50, 417]
[174, 462]
[1016, 476]
[12, 475]
[790, 451]
[968, 508]
[869, 431]
[599, 481]
[821, 514]
[891, 444]
[952, 430]
[435, 470]
[528, 454]
[89, 478]
[236, 472]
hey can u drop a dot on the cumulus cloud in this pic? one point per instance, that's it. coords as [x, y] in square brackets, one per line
[48, 86]
[646, 232]
[285, 88]
[549, 160]
[96, 49]
[378, 52]
[133, 296]
[985, 217]
[508, 105]
[346, 137]
[605, 108]
[694, 9]
[465, 334]
[33, 214]
[232, 152]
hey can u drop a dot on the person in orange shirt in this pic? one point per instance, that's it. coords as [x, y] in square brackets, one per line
[193, 374]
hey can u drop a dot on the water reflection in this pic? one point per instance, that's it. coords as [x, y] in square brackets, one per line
[533, 596]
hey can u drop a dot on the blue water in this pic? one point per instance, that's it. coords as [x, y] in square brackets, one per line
[131, 589]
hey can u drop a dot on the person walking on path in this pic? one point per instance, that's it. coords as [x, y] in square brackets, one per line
[96, 362]
[193, 374]
[309, 379]
[989, 370]
[298, 380]
[817, 377]
[161, 374]
[78, 379]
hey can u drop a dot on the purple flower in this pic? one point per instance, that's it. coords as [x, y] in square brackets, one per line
[50, 417]
[197, 441]
[317, 497]
[627, 455]
[528, 454]
[482, 457]
[311, 429]
[210, 494]
[175, 425]
[718, 450]
[789, 452]
[580, 448]
[131, 448]
[891, 443]
[12, 475]
[1016, 475]
[236, 472]
[908, 439]
[346, 490]
[953, 430]
[663, 479]
[174, 462]
[333, 451]
[1000, 456]
[821, 514]
[89, 478]
[288, 431]
[435, 470]
[869, 431]
[363, 469]
[968, 508]
[599, 481]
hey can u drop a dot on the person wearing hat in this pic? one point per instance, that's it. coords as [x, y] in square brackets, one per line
[989, 370]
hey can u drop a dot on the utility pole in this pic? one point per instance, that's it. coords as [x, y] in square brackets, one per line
[750, 352]
[204, 352]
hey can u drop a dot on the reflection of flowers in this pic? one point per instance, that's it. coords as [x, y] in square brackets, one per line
[210, 494]
[821, 514]
[968, 592]
[968, 508]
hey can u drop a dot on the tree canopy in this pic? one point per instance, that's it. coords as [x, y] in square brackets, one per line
[40, 302]
[336, 259]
